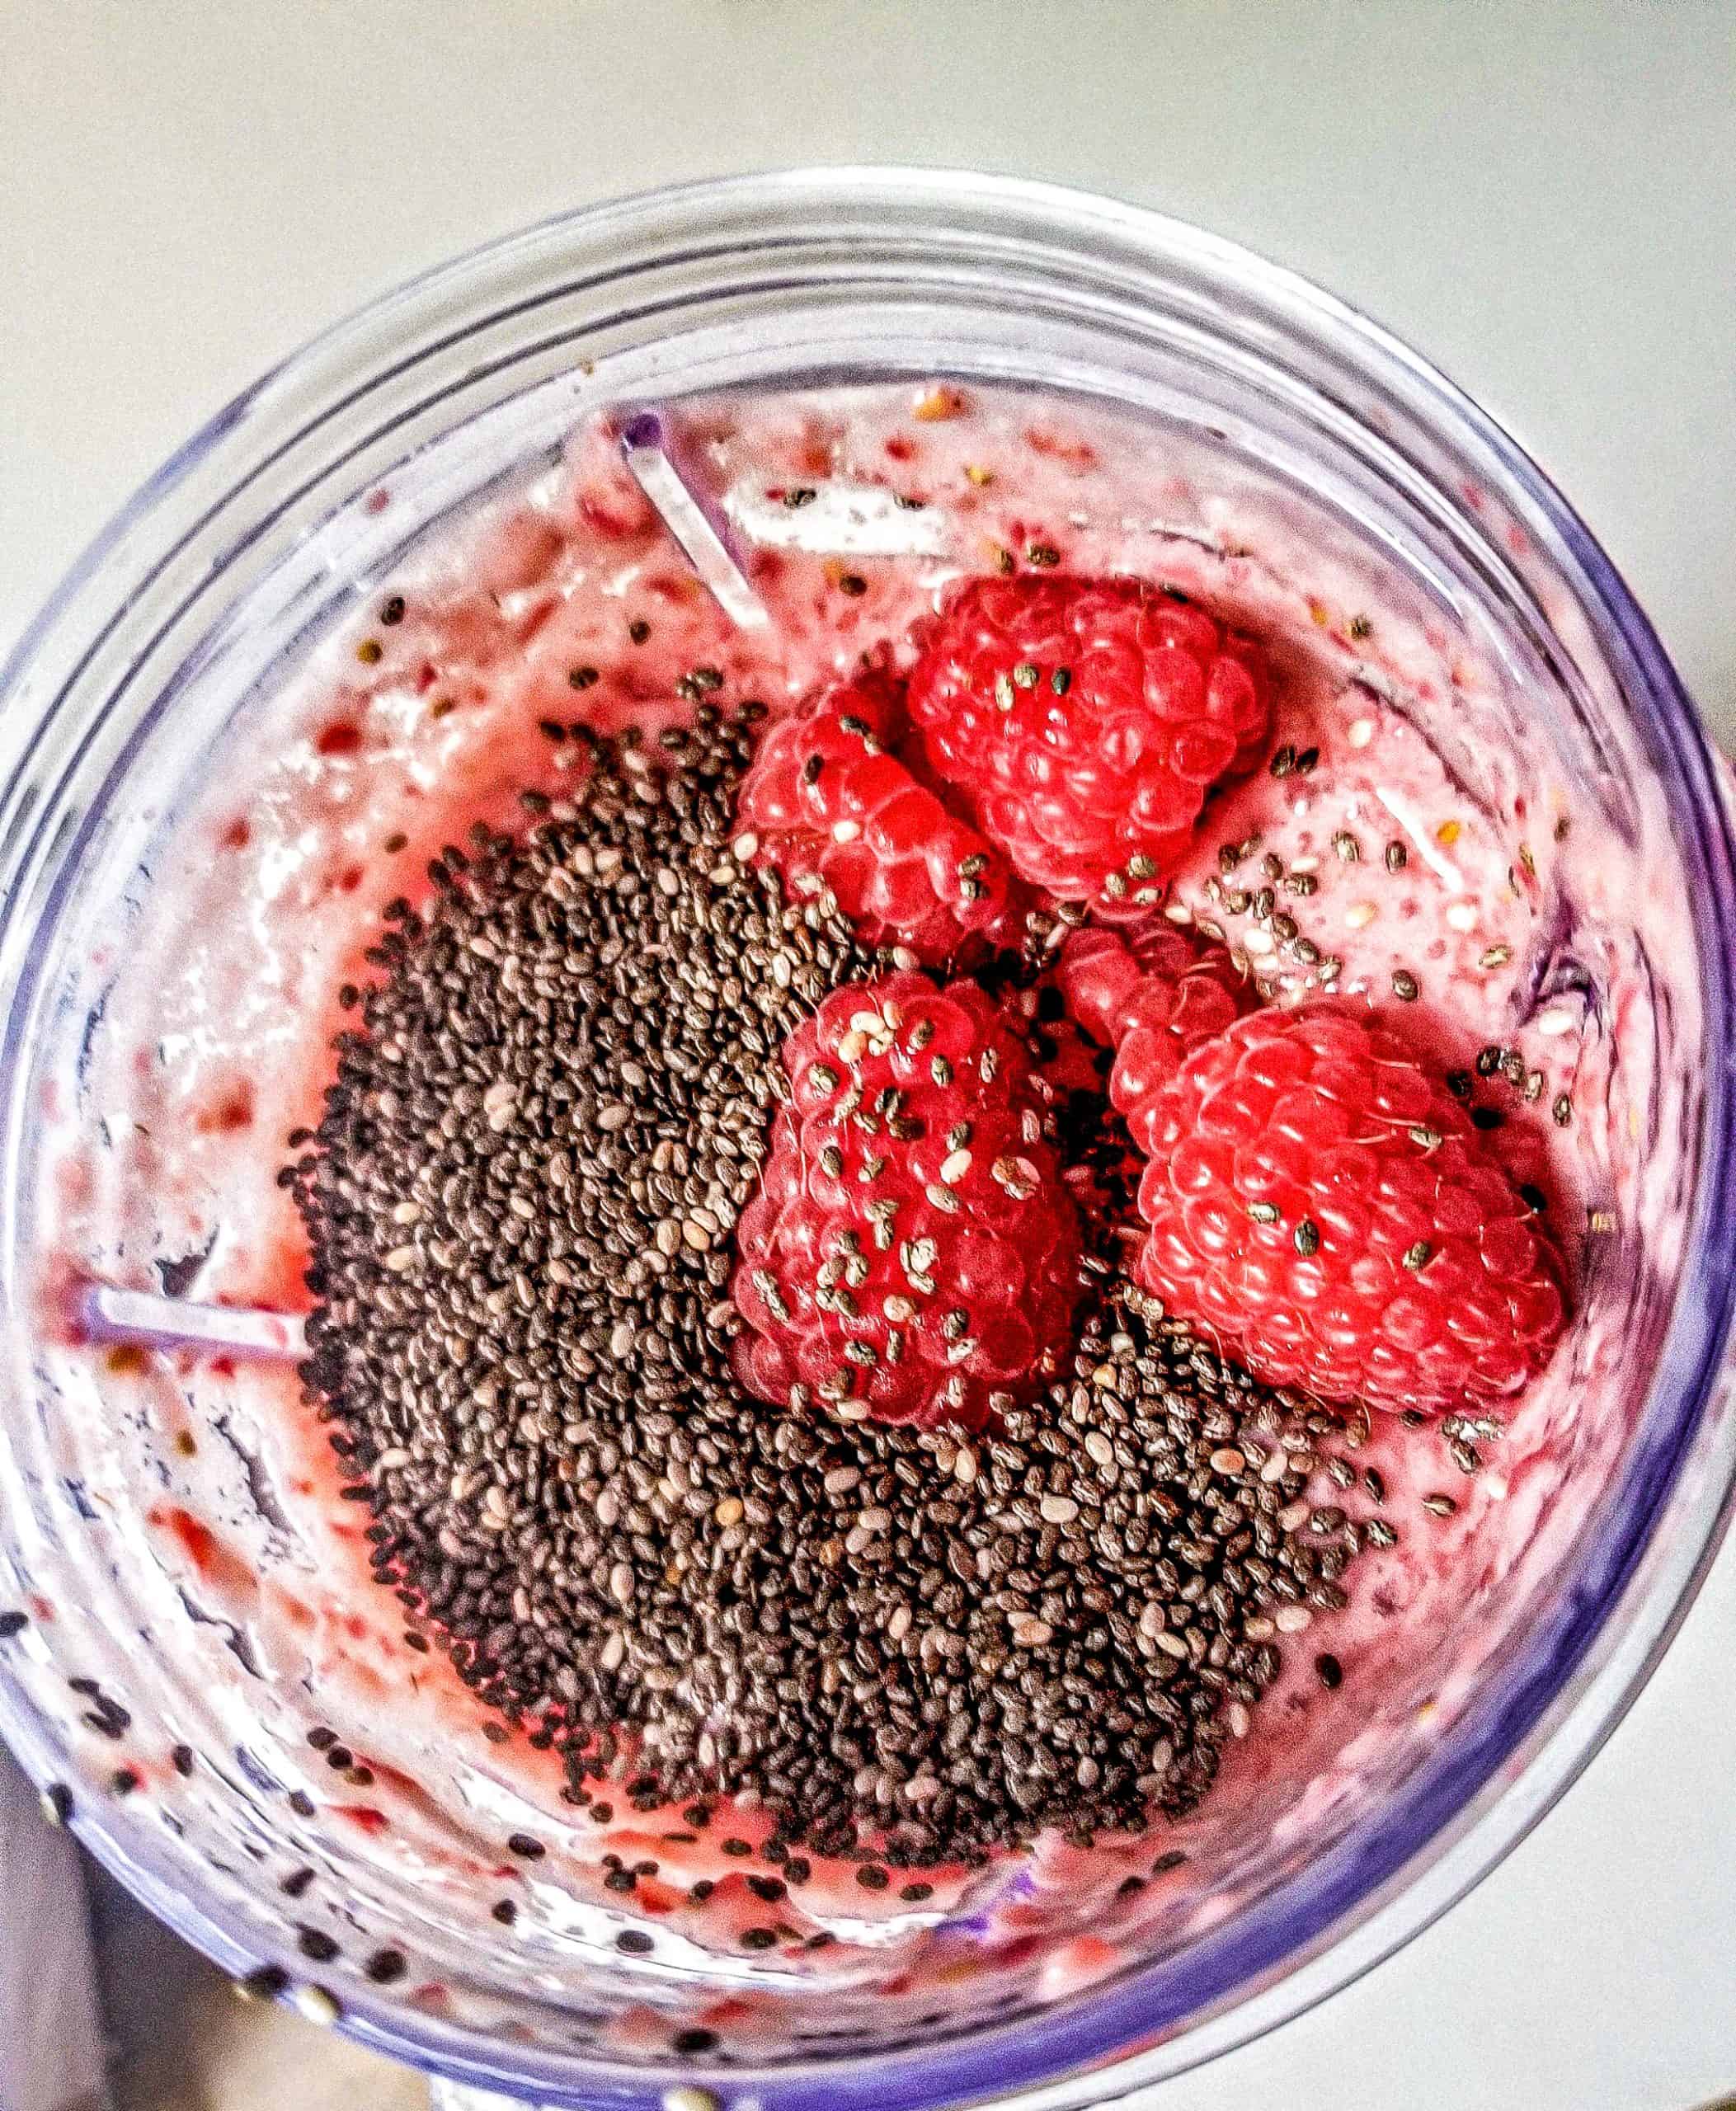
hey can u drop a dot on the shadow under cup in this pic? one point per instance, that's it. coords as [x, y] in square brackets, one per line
[155, 672]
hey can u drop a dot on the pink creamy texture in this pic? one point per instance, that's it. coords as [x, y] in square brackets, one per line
[393, 739]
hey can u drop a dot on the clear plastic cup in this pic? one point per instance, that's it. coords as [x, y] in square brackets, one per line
[265, 530]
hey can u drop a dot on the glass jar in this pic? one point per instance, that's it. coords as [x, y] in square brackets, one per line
[267, 529]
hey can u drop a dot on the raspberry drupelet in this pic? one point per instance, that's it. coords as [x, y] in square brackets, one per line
[911, 1253]
[1153, 1003]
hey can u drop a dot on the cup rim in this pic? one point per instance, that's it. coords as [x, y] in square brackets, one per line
[1453, 1825]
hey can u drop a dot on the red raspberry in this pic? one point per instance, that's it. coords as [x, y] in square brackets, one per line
[826, 797]
[1318, 1200]
[1087, 719]
[1153, 1005]
[1097, 974]
[912, 1247]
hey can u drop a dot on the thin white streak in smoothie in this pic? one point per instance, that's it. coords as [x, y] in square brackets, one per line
[841, 519]
[136, 1315]
[700, 544]
[556, 1912]
[1170, 531]
[560, 1911]
[1418, 829]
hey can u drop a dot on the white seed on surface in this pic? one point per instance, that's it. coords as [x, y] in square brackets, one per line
[686, 2098]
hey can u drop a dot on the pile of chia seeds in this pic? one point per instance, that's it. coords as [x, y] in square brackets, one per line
[906, 1646]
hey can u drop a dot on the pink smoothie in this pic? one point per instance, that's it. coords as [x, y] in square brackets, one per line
[1436, 864]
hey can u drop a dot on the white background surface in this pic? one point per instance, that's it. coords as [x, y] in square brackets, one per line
[1542, 196]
